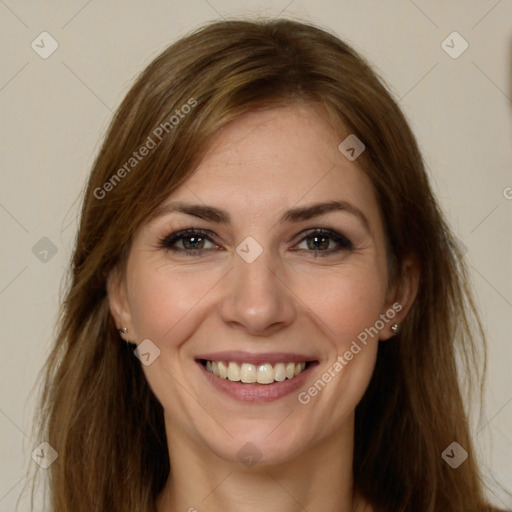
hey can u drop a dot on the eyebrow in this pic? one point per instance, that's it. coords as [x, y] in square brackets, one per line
[297, 214]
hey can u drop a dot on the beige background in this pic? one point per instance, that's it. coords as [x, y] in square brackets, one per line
[54, 112]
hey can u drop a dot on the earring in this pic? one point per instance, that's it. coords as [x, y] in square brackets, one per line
[396, 328]
[124, 330]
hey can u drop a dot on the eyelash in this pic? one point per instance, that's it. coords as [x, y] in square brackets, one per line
[169, 241]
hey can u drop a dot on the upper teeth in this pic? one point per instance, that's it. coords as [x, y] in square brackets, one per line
[260, 373]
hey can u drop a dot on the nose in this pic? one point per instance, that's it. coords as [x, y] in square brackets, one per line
[256, 298]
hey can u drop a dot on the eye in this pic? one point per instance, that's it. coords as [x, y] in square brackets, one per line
[190, 242]
[193, 242]
[323, 242]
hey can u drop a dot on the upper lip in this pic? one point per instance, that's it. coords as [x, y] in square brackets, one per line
[254, 358]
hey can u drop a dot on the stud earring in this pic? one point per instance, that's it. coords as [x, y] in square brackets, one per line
[124, 330]
[396, 328]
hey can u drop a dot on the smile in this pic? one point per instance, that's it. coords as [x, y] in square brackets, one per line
[256, 378]
[249, 373]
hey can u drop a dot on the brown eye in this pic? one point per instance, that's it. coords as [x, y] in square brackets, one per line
[316, 243]
[189, 241]
[192, 242]
[324, 241]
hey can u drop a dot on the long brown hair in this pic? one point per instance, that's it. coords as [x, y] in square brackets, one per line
[97, 410]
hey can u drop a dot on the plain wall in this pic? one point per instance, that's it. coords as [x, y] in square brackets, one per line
[55, 111]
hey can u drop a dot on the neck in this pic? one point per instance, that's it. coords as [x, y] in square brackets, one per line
[319, 478]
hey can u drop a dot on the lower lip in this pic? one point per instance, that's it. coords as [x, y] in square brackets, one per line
[257, 393]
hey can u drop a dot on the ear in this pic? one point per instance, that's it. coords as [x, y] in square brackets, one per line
[400, 297]
[119, 305]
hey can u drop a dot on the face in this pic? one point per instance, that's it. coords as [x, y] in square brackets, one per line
[268, 264]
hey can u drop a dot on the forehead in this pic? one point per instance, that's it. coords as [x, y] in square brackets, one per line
[277, 159]
[266, 165]
[286, 134]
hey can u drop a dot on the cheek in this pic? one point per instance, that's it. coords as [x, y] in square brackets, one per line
[164, 301]
[153, 303]
[345, 302]
[348, 306]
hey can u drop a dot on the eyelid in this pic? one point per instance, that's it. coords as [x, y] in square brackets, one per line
[344, 243]
[168, 242]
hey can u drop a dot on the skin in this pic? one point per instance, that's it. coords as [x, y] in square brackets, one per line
[290, 299]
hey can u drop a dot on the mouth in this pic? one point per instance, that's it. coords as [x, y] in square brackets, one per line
[249, 373]
[256, 377]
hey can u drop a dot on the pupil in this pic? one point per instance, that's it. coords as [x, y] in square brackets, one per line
[318, 242]
[193, 242]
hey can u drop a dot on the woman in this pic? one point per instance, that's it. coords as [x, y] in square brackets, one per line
[266, 301]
